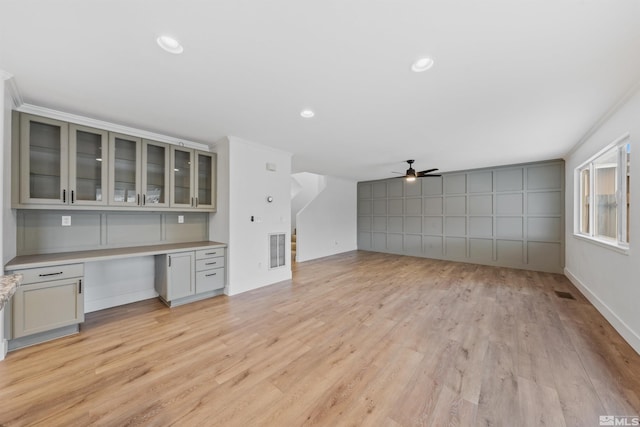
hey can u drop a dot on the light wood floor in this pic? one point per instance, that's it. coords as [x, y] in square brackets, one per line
[355, 339]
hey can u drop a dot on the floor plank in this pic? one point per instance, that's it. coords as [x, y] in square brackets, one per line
[355, 339]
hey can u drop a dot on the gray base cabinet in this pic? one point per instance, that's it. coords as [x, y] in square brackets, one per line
[184, 277]
[48, 298]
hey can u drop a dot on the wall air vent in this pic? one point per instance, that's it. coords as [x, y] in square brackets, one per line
[277, 250]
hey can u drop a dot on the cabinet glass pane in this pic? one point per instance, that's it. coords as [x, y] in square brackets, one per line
[125, 171]
[204, 180]
[89, 164]
[156, 170]
[182, 174]
[44, 161]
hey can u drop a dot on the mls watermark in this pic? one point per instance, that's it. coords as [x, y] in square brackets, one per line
[619, 420]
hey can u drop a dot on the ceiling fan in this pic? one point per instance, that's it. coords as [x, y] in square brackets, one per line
[411, 173]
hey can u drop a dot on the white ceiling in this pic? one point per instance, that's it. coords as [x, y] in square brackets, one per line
[513, 81]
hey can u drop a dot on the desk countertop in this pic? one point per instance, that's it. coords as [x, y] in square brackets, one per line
[8, 285]
[45, 260]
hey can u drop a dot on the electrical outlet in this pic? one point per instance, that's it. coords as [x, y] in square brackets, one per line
[180, 219]
[66, 221]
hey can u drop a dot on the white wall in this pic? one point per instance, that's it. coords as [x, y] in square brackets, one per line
[249, 185]
[609, 279]
[219, 222]
[327, 225]
[7, 216]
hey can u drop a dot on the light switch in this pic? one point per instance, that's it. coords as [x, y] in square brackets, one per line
[66, 221]
[180, 219]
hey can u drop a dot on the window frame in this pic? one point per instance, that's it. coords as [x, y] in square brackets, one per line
[622, 147]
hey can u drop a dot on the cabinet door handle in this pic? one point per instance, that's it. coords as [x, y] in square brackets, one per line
[210, 274]
[210, 263]
[211, 253]
[50, 274]
[144, 199]
[196, 202]
[73, 199]
[64, 196]
[192, 201]
[169, 261]
[138, 199]
[80, 286]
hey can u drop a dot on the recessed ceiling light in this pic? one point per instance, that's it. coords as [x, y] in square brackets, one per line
[307, 114]
[170, 44]
[422, 64]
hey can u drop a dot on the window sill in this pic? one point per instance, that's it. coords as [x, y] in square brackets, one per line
[614, 247]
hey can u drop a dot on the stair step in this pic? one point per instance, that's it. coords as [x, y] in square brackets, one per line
[294, 238]
[293, 246]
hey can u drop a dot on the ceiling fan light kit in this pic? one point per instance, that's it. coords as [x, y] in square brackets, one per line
[411, 173]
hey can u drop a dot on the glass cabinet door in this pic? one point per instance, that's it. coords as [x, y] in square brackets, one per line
[205, 180]
[181, 177]
[44, 146]
[87, 161]
[155, 174]
[124, 170]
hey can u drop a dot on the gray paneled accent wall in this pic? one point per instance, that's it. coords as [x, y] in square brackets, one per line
[510, 216]
[41, 231]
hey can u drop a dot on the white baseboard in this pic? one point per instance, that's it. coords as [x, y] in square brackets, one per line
[629, 335]
[101, 304]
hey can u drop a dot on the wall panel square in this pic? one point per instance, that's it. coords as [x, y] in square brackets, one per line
[544, 203]
[455, 205]
[413, 224]
[395, 242]
[413, 243]
[456, 247]
[364, 241]
[380, 207]
[364, 191]
[364, 223]
[546, 255]
[455, 226]
[510, 252]
[509, 228]
[365, 207]
[480, 182]
[413, 206]
[432, 186]
[394, 224]
[481, 249]
[379, 242]
[432, 225]
[481, 205]
[379, 190]
[432, 245]
[481, 226]
[545, 229]
[455, 184]
[395, 188]
[509, 179]
[544, 177]
[412, 189]
[379, 223]
[433, 205]
[509, 204]
[395, 206]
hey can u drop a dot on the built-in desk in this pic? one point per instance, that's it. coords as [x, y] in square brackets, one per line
[50, 301]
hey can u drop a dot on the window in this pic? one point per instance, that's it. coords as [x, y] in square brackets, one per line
[602, 185]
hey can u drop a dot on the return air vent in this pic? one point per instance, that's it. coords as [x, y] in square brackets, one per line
[277, 250]
[565, 295]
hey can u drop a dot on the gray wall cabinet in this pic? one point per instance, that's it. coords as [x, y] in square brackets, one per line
[63, 165]
[510, 216]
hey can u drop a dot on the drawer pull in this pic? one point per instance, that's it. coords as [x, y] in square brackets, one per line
[211, 253]
[210, 263]
[210, 274]
[50, 274]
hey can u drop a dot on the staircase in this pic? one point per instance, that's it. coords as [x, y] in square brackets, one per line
[293, 246]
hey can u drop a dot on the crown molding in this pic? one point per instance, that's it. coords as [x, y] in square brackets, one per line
[112, 127]
[12, 88]
[635, 88]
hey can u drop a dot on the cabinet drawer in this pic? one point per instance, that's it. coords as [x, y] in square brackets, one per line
[209, 263]
[209, 280]
[57, 272]
[209, 253]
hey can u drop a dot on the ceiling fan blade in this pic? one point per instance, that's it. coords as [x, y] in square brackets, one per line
[399, 173]
[422, 174]
[429, 170]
